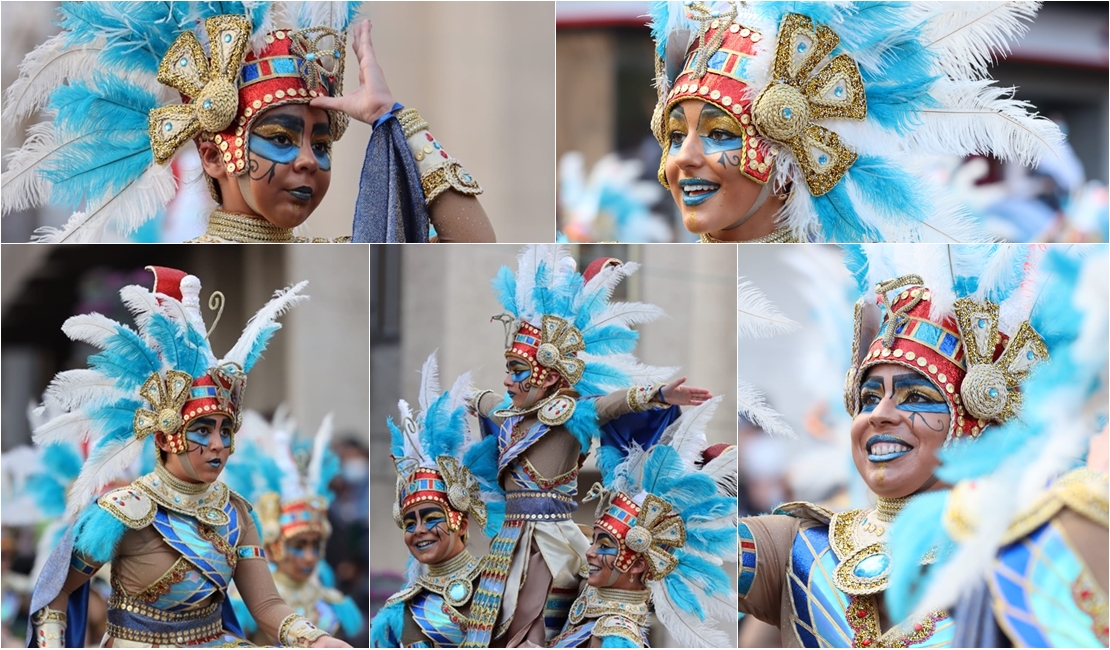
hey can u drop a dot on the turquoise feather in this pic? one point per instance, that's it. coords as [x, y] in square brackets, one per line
[386, 626]
[97, 533]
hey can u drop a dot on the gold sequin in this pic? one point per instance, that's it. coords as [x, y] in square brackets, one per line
[932, 369]
[704, 90]
[734, 28]
[910, 356]
[715, 94]
[267, 98]
[886, 353]
[737, 108]
[898, 353]
[950, 388]
[745, 119]
[238, 142]
[745, 32]
[922, 361]
[727, 101]
[280, 94]
[279, 35]
[256, 104]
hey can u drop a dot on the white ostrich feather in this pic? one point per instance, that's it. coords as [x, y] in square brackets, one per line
[638, 373]
[104, 465]
[319, 449]
[408, 446]
[752, 405]
[626, 314]
[687, 630]
[81, 388]
[965, 36]
[141, 302]
[291, 487]
[22, 185]
[686, 435]
[68, 427]
[94, 329]
[458, 396]
[258, 40]
[999, 269]
[757, 317]
[42, 71]
[303, 15]
[978, 117]
[429, 382]
[283, 300]
[606, 281]
[127, 209]
[722, 470]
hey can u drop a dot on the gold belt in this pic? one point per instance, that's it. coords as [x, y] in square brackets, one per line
[202, 633]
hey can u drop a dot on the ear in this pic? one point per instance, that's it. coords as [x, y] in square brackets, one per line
[552, 379]
[161, 442]
[638, 566]
[212, 160]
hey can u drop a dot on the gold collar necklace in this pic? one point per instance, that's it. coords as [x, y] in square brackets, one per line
[780, 236]
[237, 227]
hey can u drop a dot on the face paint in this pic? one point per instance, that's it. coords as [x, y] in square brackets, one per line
[517, 374]
[602, 559]
[321, 145]
[202, 435]
[718, 131]
[301, 554]
[910, 392]
[277, 139]
[427, 536]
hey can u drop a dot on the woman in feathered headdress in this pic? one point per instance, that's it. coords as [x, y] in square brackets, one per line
[796, 121]
[940, 353]
[567, 347]
[287, 481]
[663, 528]
[437, 499]
[263, 105]
[176, 537]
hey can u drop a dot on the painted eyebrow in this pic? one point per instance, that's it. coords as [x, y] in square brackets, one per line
[677, 112]
[912, 380]
[711, 111]
[209, 421]
[321, 128]
[289, 121]
[874, 381]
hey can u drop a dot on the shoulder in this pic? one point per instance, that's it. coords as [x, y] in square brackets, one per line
[614, 625]
[805, 510]
[129, 506]
[239, 501]
[1082, 491]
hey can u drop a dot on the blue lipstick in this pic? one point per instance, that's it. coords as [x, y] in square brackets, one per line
[882, 458]
[705, 188]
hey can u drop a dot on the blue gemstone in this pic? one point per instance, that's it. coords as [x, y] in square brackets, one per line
[177, 499]
[839, 92]
[183, 62]
[168, 127]
[872, 566]
[207, 104]
[822, 159]
[227, 38]
[310, 56]
[787, 113]
[456, 591]
[982, 323]
[993, 392]
[154, 483]
[802, 47]
[1029, 355]
[338, 54]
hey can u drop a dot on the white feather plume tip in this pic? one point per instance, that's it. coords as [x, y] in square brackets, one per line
[758, 317]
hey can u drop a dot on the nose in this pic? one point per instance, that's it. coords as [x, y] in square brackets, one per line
[216, 443]
[884, 413]
[690, 154]
[508, 380]
[306, 159]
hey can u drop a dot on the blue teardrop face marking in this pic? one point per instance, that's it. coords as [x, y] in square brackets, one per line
[872, 566]
[457, 592]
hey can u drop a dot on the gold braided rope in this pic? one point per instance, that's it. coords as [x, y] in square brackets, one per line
[780, 236]
[237, 227]
[887, 509]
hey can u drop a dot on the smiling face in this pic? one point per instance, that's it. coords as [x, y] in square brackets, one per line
[602, 560]
[427, 535]
[208, 443]
[302, 553]
[704, 158]
[902, 424]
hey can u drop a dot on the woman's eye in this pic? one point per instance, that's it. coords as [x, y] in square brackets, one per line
[320, 147]
[677, 137]
[718, 134]
[281, 139]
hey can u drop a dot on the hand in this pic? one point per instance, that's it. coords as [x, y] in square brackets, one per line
[676, 394]
[372, 99]
[328, 642]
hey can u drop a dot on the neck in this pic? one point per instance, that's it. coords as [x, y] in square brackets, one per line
[887, 509]
[629, 596]
[177, 483]
[447, 567]
[241, 227]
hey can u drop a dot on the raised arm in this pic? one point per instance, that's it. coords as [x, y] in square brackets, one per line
[645, 398]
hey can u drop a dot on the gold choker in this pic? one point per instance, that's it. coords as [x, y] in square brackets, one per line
[780, 236]
[450, 566]
[887, 509]
[236, 227]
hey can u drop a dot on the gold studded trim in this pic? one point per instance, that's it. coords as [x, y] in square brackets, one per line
[176, 495]
[160, 587]
[780, 236]
[130, 506]
[619, 626]
[1082, 490]
[449, 176]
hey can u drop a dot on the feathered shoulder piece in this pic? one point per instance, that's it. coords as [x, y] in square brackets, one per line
[838, 98]
[664, 505]
[558, 319]
[111, 85]
[151, 380]
[428, 450]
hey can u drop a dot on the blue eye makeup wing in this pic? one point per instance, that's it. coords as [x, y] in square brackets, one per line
[270, 150]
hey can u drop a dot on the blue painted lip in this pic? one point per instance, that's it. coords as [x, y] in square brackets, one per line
[700, 198]
[301, 193]
[215, 462]
[877, 458]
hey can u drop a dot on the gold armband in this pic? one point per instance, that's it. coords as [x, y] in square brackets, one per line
[641, 398]
[50, 628]
[297, 631]
[438, 171]
[476, 401]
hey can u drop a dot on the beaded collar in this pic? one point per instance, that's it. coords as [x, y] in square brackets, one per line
[453, 579]
[512, 411]
[780, 236]
[232, 226]
[597, 602]
[192, 499]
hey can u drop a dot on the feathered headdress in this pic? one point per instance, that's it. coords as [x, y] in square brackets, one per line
[958, 315]
[428, 450]
[111, 83]
[1009, 467]
[659, 506]
[287, 478]
[151, 380]
[837, 99]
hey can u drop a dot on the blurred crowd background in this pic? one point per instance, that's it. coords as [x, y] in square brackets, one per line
[316, 364]
[480, 73]
[423, 300]
[608, 157]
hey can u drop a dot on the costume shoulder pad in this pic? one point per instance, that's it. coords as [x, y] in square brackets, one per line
[619, 626]
[240, 498]
[805, 510]
[130, 506]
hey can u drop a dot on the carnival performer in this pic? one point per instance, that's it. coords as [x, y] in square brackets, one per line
[175, 537]
[287, 481]
[944, 363]
[1026, 516]
[249, 104]
[663, 529]
[437, 498]
[800, 121]
[567, 347]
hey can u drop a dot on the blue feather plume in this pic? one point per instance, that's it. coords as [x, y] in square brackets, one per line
[137, 34]
[912, 535]
[504, 286]
[259, 346]
[838, 219]
[97, 533]
[386, 626]
[350, 616]
[887, 189]
[855, 260]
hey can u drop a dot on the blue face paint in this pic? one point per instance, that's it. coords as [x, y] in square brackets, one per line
[870, 394]
[607, 551]
[911, 392]
[321, 146]
[278, 149]
[203, 435]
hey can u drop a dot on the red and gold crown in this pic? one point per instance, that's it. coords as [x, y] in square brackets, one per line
[176, 397]
[552, 346]
[651, 530]
[225, 91]
[304, 515]
[976, 367]
[720, 77]
[426, 485]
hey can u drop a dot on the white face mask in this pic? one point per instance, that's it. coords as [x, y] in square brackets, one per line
[354, 471]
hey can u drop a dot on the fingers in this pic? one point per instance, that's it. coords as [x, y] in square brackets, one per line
[328, 103]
